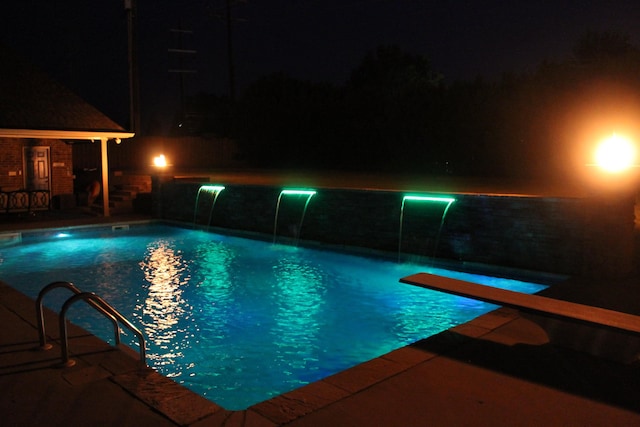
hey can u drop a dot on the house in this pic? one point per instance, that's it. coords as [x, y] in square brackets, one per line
[39, 121]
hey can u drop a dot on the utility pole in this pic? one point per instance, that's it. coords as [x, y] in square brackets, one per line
[232, 84]
[134, 93]
[181, 70]
[226, 16]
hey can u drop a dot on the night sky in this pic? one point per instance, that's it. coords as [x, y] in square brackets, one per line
[83, 43]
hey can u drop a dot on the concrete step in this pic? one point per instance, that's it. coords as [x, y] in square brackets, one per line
[115, 206]
[138, 183]
[121, 204]
[122, 195]
[131, 187]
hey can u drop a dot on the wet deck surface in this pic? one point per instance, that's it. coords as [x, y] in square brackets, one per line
[495, 370]
[498, 369]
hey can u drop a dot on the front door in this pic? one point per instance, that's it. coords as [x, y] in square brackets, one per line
[37, 168]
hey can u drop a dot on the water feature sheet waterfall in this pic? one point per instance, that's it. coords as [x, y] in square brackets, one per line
[291, 192]
[215, 190]
[429, 199]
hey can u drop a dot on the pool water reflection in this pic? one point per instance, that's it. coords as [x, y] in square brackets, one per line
[238, 320]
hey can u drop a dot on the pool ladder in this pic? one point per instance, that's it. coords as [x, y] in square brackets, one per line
[94, 301]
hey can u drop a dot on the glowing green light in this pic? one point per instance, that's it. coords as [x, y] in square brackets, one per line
[293, 192]
[430, 199]
[212, 188]
[299, 192]
[448, 200]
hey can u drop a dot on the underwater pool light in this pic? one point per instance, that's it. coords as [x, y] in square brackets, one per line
[63, 235]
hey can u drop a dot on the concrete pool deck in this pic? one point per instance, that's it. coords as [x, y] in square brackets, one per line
[498, 369]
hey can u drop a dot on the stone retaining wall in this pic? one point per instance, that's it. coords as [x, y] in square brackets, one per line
[575, 236]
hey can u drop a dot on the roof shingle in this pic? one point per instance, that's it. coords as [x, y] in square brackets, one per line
[29, 99]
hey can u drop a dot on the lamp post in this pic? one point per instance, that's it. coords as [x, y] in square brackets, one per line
[613, 168]
[615, 154]
[160, 162]
[609, 219]
[160, 165]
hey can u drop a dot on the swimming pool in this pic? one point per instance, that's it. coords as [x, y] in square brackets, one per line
[238, 320]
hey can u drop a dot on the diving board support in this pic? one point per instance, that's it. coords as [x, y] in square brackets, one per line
[608, 330]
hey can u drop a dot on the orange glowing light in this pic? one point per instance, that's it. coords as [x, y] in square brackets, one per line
[160, 161]
[615, 154]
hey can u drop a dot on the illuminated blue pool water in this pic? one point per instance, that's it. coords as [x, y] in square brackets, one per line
[238, 320]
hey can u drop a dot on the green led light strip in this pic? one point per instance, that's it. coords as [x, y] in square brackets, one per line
[292, 192]
[299, 192]
[447, 200]
[209, 189]
[213, 188]
[430, 199]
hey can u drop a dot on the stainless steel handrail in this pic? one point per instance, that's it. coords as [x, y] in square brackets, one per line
[70, 286]
[91, 297]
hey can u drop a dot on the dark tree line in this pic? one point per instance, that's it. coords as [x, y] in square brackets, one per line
[395, 113]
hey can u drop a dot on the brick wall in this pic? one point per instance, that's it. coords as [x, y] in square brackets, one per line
[588, 236]
[61, 167]
[12, 164]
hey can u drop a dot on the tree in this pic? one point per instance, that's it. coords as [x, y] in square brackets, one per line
[598, 47]
[547, 121]
[391, 97]
[285, 122]
[394, 71]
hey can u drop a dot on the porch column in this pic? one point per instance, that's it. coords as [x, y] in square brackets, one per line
[105, 176]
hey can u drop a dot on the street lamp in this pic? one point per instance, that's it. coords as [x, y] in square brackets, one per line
[160, 165]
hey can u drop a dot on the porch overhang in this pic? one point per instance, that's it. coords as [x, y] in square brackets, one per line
[91, 135]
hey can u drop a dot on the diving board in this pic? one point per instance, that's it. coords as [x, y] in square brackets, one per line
[536, 303]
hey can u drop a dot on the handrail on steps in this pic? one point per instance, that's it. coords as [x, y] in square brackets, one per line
[70, 286]
[94, 301]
